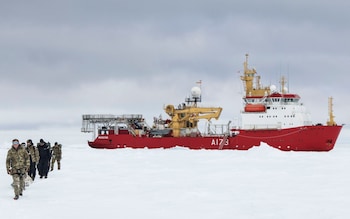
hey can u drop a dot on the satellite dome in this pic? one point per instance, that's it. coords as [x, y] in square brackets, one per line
[196, 92]
[273, 88]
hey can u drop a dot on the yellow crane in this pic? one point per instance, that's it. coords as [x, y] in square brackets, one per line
[186, 116]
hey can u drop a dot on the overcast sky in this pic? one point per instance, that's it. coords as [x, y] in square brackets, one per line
[62, 59]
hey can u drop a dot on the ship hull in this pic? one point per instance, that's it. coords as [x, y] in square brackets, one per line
[305, 138]
[129, 141]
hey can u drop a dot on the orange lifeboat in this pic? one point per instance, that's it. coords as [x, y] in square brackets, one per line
[254, 108]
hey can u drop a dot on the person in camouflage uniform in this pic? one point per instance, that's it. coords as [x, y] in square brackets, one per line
[33, 158]
[24, 176]
[56, 155]
[17, 164]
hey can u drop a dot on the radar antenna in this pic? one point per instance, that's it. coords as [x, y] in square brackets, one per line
[196, 94]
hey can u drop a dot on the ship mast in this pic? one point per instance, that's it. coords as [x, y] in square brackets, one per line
[283, 83]
[331, 121]
[248, 81]
[248, 77]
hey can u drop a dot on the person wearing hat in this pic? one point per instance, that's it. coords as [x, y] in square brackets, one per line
[17, 165]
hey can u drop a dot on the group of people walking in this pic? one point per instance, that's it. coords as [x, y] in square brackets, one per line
[24, 159]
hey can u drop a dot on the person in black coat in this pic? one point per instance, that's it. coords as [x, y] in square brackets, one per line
[44, 160]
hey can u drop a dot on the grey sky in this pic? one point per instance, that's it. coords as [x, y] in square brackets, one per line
[60, 59]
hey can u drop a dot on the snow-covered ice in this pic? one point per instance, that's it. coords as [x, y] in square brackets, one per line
[179, 183]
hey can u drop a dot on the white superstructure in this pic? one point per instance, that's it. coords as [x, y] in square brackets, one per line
[268, 108]
[276, 111]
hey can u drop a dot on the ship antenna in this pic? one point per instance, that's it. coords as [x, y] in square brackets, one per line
[199, 99]
[288, 79]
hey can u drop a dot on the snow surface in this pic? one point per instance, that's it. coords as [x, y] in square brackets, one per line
[179, 183]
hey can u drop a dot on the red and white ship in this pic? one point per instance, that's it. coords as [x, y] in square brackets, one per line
[274, 117]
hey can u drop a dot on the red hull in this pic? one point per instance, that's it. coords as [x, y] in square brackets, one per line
[306, 138]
